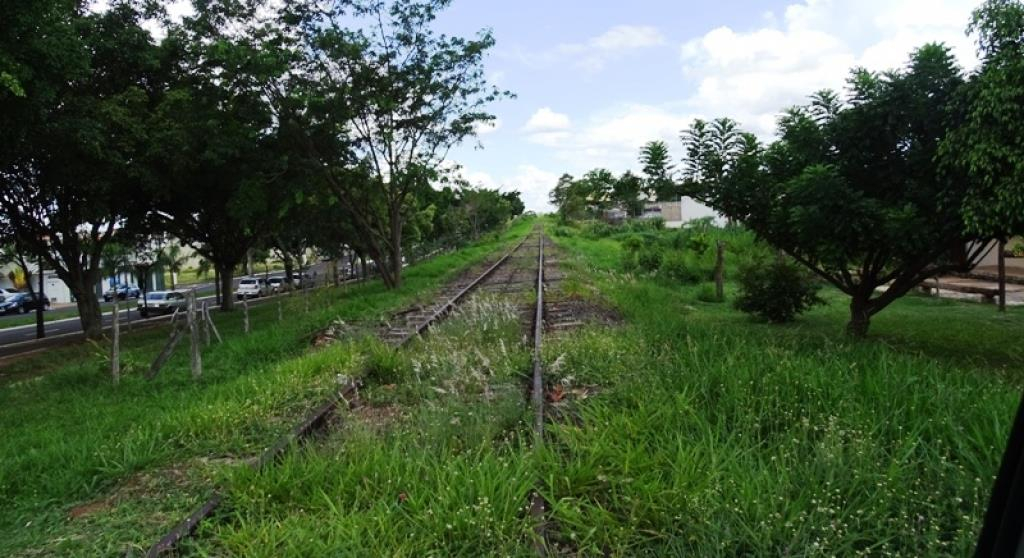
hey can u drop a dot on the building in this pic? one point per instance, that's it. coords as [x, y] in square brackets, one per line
[59, 293]
[676, 213]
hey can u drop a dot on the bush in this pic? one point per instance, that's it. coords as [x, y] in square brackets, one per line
[707, 293]
[680, 267]
[776, 290]
[649, 258]
[597, 229]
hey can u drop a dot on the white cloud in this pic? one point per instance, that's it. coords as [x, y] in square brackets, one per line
[752, 75]
[484, 128]
[623, 37]
[547, 120]
[533, 183]
[592, 54]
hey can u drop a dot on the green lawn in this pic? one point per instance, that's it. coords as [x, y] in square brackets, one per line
[702, 433]
[87, 468]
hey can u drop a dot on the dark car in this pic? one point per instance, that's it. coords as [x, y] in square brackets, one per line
[122, 292]
[21, 302]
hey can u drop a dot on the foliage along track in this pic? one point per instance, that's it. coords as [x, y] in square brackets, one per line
[499, 276]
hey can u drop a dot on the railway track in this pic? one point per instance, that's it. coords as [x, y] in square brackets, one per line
[518, 270]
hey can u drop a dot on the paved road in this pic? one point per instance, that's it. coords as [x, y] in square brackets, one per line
[22, 339]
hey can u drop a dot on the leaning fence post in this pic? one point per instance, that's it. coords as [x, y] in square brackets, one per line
[213, 326]
[193, 331]
[115, 346]
[204, 315]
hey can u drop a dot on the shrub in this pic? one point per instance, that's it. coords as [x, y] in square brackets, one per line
[707, 293]
[680, 267]
[597, 229]
[776, 290]
[649, 258]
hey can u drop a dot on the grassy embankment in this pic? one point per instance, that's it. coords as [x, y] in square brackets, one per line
[706, 434]
[88, 468]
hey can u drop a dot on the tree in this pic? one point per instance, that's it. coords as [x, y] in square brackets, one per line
[851, 191]
[658, 170]
[626, 191]
[986, 147]
[218, 152]
[73, 115]
[173, 259]
[400, 95]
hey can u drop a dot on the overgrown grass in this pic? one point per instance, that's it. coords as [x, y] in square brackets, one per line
[702, 433]
[713, 435]
[72, 438]
[435, 464]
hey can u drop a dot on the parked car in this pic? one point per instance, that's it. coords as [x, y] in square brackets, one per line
[302, 280]
[252, 287]
[122, 292]
[276, 284]
[9, 290]
[157, 303]
[21, 302]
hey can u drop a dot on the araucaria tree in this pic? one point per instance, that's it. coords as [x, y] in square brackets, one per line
[398, 95]
[851, 190]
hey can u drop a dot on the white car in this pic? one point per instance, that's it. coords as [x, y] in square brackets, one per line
[276, 285]
[252, 287]
[162, 302]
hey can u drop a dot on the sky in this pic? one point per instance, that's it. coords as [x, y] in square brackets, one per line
[595, 80]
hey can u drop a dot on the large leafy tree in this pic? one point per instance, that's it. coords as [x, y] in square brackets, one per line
[850, 190]
[987, 147]
[77, 89]
[388, 97]
[218, 149]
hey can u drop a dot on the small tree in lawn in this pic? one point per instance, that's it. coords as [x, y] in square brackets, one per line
[851, 190]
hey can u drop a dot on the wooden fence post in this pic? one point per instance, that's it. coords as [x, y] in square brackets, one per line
[245, 314]
[720, 272]
[115, 346]
[280, 311]
[213, 326]
[204, 315]
[193, 331]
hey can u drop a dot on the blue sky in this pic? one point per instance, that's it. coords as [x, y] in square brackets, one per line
[595, 80]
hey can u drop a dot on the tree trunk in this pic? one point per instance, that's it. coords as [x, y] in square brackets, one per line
[289, 268]
[89, 313]
[860, 317]
[227, 284]
[396, 248]
[1002, 276]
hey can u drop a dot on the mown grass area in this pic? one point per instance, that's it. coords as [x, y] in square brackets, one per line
[703, 433]
[88, 468]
